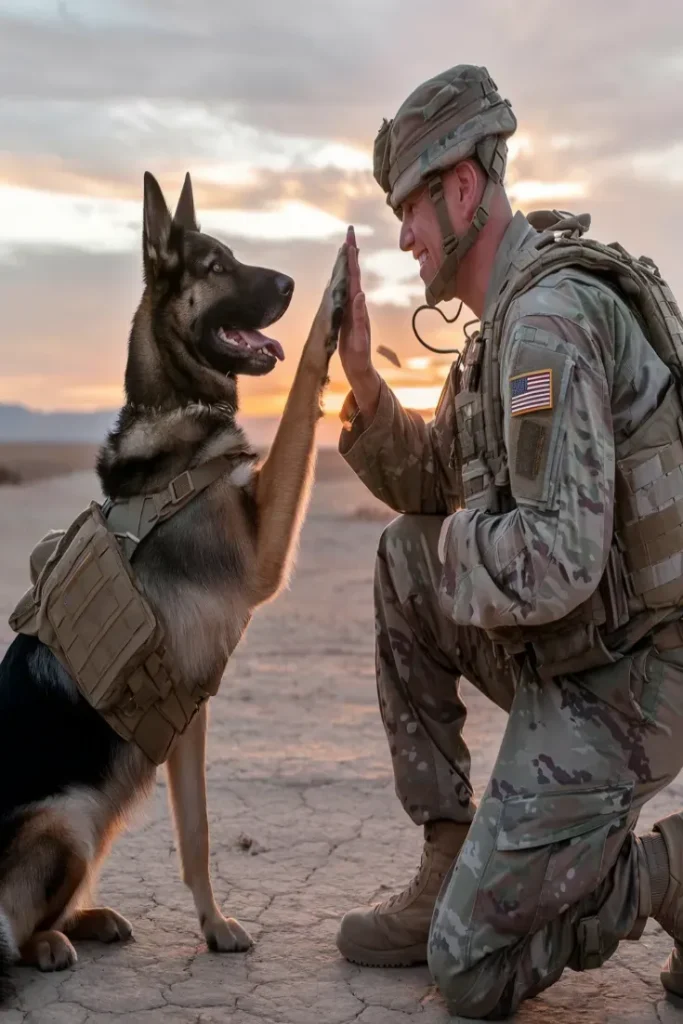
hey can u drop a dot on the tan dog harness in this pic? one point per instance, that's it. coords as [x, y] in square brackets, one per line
[87, 607]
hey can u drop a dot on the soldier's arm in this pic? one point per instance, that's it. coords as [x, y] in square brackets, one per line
[403, 461]
[537, 563]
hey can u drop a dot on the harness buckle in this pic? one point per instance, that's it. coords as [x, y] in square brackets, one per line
[180, 487]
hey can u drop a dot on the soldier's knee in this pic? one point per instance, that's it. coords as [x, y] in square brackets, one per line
[407, 555]
[402, 529]
[478, 991]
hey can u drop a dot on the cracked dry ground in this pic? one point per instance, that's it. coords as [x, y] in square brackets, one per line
[298, 763]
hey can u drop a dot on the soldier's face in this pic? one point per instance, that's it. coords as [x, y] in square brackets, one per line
[420, 229]
[420, 233]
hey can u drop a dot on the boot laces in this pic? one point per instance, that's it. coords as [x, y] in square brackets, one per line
[405, 895]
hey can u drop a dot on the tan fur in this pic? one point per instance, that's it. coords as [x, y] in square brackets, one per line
[284, 482]
[44, 848]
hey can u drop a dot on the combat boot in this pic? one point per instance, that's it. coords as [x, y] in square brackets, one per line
[394, 933]
[666, 883]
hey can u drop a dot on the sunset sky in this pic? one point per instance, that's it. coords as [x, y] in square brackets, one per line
[273, 107]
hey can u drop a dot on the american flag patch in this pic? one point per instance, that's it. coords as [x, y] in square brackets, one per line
[530, 392]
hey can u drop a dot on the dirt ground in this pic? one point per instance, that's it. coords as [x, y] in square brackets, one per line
[40, 461]
[304, 820]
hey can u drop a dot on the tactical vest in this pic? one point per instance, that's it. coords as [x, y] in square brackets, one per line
[88, 608]
[642, 584]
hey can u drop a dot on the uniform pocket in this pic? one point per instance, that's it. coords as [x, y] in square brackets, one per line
[549, 853]
[554, 817]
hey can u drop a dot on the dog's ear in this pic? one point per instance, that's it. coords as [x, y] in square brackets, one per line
[156, 231]
[185, 216]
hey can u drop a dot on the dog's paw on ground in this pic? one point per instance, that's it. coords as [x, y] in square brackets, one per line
[101, 925]
[226, 935]
[49, 951]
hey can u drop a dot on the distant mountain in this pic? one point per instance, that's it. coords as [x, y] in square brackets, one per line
[17, 423]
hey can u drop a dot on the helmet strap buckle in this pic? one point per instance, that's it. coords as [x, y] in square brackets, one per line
[480, 218]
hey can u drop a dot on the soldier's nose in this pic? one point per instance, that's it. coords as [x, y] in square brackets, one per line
[284, 285]
[406, 238]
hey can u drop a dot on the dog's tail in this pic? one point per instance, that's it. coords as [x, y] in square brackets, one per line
[8, 956]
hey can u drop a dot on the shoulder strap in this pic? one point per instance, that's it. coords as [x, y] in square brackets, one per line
[132, 519]
[638, 281]
[559, 246]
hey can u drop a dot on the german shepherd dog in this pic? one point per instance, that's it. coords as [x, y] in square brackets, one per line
[67, 780]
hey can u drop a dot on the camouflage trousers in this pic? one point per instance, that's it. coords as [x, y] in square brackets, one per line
[552, 874]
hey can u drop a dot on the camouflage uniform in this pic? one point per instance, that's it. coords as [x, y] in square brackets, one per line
[551, 874]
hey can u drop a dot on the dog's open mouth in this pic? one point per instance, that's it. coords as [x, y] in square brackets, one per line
[250, 343]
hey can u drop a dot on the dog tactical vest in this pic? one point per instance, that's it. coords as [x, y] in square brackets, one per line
[643, 581]
[87, 607]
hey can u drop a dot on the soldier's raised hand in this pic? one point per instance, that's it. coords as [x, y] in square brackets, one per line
[354, 341]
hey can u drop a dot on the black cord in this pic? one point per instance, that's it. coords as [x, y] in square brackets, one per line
[449, 320]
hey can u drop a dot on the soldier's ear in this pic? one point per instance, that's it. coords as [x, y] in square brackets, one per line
[156, 229]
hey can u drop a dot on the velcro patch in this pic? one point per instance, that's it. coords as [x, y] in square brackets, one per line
[530, 447]
[530, 392]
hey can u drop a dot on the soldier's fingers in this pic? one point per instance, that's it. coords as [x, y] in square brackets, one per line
[360, 323]
[354, 272]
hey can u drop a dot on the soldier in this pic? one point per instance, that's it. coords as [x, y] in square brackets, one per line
[539, 554]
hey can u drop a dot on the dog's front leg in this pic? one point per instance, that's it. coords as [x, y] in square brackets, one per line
[187, 784]
[283, 483]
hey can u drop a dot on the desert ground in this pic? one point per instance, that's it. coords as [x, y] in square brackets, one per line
[304, 820]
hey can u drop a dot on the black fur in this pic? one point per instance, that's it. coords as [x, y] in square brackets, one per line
[6, 987]
[123, 477]
[48, 741]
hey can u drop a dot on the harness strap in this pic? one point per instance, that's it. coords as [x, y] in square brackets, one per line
[131, 519]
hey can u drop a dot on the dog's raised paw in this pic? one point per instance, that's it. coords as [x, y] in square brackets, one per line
[339, 288]
[227, 935]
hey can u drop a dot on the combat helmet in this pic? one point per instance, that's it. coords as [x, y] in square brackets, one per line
[455, 115]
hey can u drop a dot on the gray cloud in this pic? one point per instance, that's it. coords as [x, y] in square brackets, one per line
[606, 75]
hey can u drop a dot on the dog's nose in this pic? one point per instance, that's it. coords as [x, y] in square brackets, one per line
[284, 285]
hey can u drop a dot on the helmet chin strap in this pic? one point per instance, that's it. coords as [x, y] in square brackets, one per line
[441, 288]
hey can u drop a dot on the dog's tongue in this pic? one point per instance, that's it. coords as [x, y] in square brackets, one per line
[255, 339]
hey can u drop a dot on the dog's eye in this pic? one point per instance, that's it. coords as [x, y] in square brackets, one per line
[217, 268]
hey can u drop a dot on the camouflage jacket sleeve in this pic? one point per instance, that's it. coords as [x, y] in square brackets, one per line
[537, 563]
[407, 463]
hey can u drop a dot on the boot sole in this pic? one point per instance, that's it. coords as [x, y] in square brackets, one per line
[411, 956]
[676, 989]
[673, 983]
